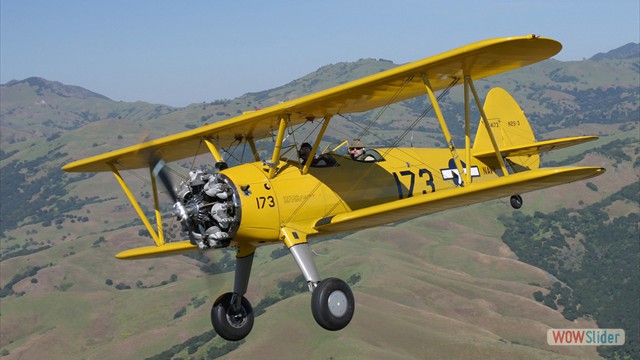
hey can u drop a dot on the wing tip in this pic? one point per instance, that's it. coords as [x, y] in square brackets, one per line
[70, 167]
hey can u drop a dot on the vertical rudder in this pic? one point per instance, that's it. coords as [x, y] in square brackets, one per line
[510, 128]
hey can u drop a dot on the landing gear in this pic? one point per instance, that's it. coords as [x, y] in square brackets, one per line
[332, 304]
[232, 319]
[232, 314]
[516, 201]
[332, 301]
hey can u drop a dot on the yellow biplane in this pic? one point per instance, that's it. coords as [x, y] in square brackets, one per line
[275, 199]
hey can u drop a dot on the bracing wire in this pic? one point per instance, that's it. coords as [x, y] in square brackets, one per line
[426, 111]
[395, 143]
[390, 102]
[193, 163]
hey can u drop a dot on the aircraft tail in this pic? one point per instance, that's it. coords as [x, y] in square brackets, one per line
[511, 130]
[513, 135]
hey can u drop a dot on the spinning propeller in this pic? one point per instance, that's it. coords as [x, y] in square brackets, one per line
[160, 172]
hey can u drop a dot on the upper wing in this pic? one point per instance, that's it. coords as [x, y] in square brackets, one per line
[478, 60]
[427, 204]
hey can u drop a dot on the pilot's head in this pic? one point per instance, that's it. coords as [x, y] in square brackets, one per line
[356, 149]
[305, 150]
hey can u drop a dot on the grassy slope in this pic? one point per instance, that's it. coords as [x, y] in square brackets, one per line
[435, 287]
[440, 286]
[412, 307]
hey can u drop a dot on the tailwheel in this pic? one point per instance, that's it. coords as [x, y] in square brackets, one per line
[516, 201]
[332, 304]
[231, 321]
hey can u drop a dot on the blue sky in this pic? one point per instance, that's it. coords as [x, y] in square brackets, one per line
[182, 52]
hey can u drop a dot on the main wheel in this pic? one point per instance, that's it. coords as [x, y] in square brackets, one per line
[332, 304]
[232, 322]
[516, 201]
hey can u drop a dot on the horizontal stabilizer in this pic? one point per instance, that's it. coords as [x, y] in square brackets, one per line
[166, 249]
[448, 199]
[535, 147]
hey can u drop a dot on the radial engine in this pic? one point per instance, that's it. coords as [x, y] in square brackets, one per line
[209, 209]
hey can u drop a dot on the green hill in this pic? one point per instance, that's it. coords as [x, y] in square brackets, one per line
[443, 286]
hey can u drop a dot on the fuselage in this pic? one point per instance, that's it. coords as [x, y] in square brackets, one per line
[293, 197]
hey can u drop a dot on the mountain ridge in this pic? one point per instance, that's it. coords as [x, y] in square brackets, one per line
[58, 88]
[63, 293]
[628, 51]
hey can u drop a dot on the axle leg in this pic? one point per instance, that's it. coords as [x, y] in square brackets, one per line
[304, 258]
[243, 272]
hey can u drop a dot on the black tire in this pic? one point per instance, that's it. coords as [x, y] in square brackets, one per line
[232, 324]
[332, 304]
[516, 201]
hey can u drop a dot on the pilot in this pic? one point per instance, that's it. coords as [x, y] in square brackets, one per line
[358, 151]
[318, 160]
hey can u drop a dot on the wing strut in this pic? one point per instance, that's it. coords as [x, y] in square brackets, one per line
[316, 144]
[220, 163]
[156, 206]
[443, 124]
[158, 236]
[254, 150]
[467, 79]
[467, 133]
[275, 159]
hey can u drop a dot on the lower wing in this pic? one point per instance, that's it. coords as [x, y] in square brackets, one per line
[448, 199]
